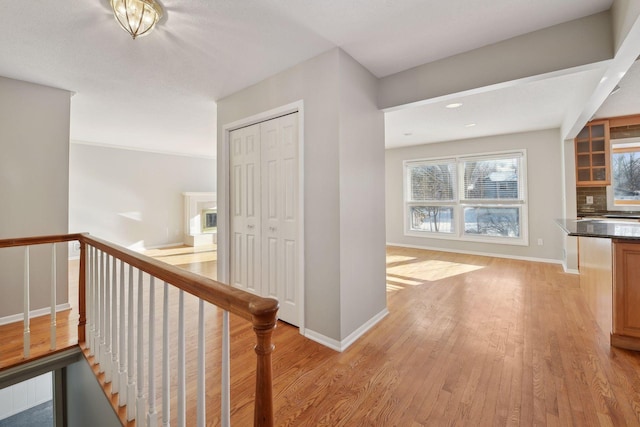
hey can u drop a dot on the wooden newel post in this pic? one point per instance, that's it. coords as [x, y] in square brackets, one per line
[264, 325]
[82, 279]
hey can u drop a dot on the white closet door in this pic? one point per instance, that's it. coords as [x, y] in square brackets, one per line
[279, 154]
[264, 212]
[245, 252]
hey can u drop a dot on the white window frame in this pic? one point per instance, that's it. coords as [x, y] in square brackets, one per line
[460, 203]
[612, 203]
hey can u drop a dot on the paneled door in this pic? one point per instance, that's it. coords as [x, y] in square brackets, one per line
[244, 202]
[264, 202]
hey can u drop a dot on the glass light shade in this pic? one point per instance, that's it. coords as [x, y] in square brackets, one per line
[137, 17]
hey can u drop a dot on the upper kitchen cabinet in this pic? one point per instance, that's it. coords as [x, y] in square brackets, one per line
[592, 155]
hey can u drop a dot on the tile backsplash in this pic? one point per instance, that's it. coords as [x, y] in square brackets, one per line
[599, 195]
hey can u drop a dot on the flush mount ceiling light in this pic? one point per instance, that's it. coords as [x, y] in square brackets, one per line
[454, 105]
[137, 17]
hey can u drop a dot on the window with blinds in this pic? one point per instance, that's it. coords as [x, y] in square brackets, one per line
[433, 181]
[480, 197]
[431, 190]
[492, 179]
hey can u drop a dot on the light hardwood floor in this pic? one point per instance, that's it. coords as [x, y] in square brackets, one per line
[470, 341]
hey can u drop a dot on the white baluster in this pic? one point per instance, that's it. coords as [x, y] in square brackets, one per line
[88, 309]
[122, 396]
[52, 332]
[94, 299]
[166, 378]
[89, 286]
[107, 320]
[152, 416]
[115, 370]
[100, 310]
[141, 401]
[225, 414]
[201, 407]
[26, 306]
[131, 383]
[103, 302]
[181, 363]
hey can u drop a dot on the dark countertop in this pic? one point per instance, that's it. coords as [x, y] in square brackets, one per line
[610, 214]
[608, 228]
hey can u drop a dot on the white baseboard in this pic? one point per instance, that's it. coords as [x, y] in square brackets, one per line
[33, 313]
[73, 255]
[345, 343]
[569, 270]
[457, 251]
[142, 248]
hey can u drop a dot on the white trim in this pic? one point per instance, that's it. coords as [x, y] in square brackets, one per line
[33, 313]
[459, 203]
[487, 254]
[569, 270]
[224, 191]
[351, 338]
[610, 195]
[141, 149]
[322, 339]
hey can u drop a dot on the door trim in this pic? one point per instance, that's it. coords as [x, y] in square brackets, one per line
[224, 195]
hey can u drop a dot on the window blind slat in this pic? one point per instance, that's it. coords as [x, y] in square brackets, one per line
[430, 181]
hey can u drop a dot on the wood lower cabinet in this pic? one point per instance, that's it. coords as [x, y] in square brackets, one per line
[626, 295]
[610, 282]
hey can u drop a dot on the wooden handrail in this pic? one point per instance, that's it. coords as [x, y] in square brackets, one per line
[261, 312]
[40, 240]
[246, 305]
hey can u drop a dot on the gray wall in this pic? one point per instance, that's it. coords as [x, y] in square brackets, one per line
[362, 238]
[624, 15]
[571, 44]
[133, 197]
[34, 187]
[545, 195]
[85, 402]
[340, 119]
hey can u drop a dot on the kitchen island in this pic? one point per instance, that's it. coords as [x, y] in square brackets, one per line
[609, 264]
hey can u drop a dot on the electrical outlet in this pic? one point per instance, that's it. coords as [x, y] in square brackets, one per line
[76, 246]
[540, 242]
[589, 200]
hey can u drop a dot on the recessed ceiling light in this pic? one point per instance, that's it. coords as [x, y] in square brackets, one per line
[470, 125]
[454, 105]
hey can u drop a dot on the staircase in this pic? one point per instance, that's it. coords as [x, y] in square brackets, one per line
[146, 328]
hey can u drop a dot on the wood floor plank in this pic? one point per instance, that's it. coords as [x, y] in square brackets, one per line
[468, 341]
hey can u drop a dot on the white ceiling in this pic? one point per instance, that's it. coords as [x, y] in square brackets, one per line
[541, 104]
[159, 92]
[625, 100]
